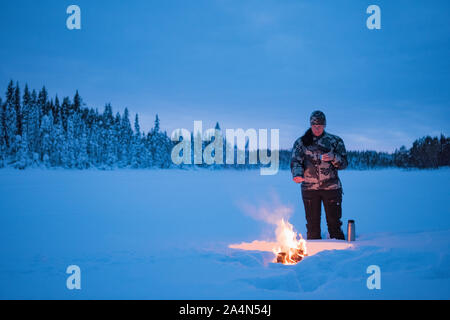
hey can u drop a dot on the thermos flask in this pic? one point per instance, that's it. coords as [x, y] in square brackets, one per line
[351, 230]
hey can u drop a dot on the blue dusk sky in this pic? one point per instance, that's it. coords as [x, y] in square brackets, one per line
[244, 63]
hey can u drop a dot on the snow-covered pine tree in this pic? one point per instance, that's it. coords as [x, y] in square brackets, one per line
[33, 134]
[107, 116]
[47, 139]
[85, 115]
[111, 144]
[136, 153]
[65, 110]
[148, 150]
[43, 103]
[156, 123]
[90, 118]
[59, 142]
[158, 145]
[106, 150]
[21, 156]
[93, 148]
[56, 110]
[146, 156]
[79, 143]
[76, 106]
[17, 108]
[71, 138]
[126, 136]
[51, 107]
[10, 120]
[117, 145]
[26, 107]
[83, 158]
[152, 142]
[137, 127]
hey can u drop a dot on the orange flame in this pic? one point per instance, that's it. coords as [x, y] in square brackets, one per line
[291, 248]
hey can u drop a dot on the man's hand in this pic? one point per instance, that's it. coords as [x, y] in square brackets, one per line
[299, 179]
[328, 156]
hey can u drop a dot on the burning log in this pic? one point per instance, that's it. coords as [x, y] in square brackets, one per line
[297, 256]
[281, 257]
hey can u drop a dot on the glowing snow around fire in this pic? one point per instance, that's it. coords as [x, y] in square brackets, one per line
[289, 247]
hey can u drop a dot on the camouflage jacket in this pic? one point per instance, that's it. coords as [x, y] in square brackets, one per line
[306, 162]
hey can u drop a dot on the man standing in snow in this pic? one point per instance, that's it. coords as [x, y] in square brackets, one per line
[316, 158]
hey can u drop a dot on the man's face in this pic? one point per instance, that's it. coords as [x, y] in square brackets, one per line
[317, 129]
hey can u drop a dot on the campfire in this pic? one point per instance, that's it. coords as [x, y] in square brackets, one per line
[288, 246]
[291, 248]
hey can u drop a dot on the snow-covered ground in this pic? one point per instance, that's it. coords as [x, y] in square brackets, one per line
[147, 234]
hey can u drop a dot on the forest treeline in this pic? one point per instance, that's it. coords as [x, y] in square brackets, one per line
[39, 131]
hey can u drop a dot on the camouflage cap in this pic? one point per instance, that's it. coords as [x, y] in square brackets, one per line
[318, 117]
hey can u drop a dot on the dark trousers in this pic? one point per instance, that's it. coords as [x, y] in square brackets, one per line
[332, 202]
